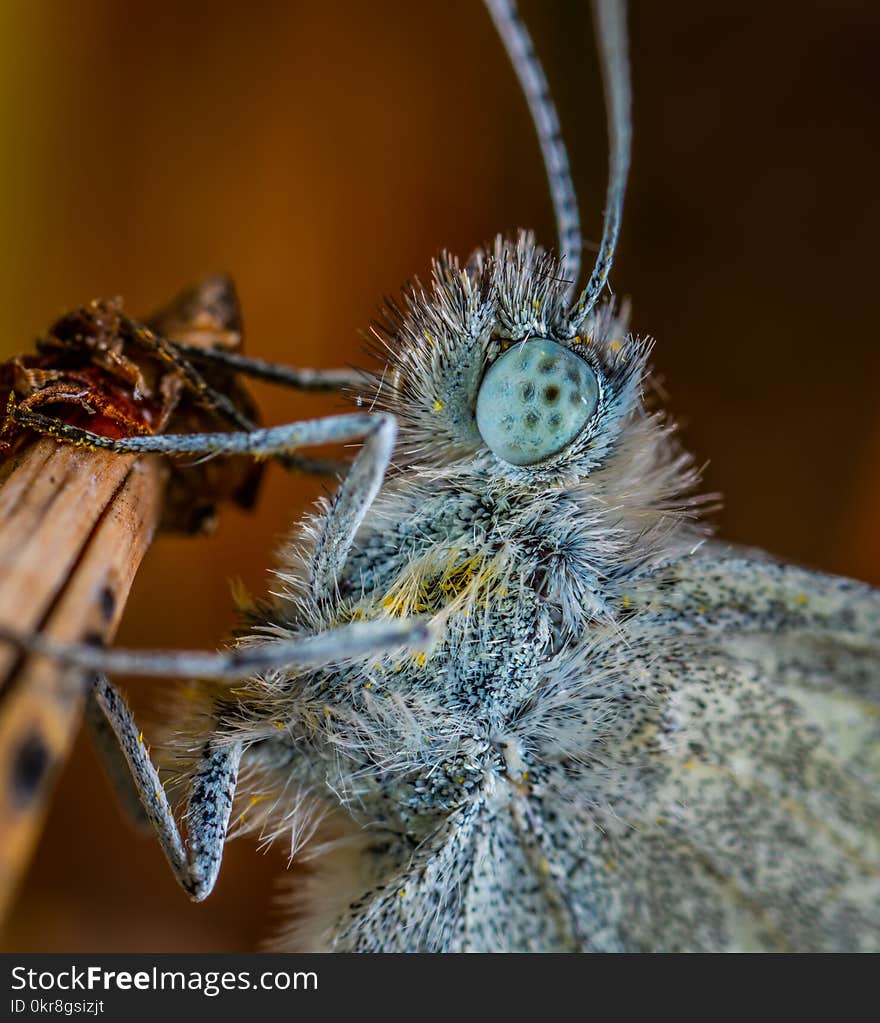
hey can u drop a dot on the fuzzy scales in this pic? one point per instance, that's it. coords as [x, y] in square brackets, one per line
[624, 737]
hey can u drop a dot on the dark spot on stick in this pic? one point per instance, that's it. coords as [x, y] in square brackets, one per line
[108, 603]
[29, 765]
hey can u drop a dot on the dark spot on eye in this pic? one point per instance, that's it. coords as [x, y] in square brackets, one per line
[507, 421]
[546, 365]
[528, 391]
[555, 420]
[108, 603]
[551, 394]
[574, 397]
[532, 420]
[571, 375]
[29, 765]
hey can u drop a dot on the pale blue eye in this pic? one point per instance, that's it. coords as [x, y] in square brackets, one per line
[534, 401]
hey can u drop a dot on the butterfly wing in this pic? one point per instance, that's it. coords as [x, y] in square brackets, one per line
[813, 638]
[700, 776]
[713, 767]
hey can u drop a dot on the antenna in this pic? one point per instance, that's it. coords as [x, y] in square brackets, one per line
[609, 17]
[521, 51]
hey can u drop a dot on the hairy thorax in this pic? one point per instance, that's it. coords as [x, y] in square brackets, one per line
[404, 740]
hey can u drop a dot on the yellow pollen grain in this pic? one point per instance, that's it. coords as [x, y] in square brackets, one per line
[611, 865]
[702, 610]
[626, 600]
[428, 338]
[524, 775]
[140, 738]
[689, 765]
[801, 598]
[545, 867]
[402, 893]
[438, 405]
[615, 346]
[278, 724]
[368, 685]
[661, 821]
[420, 660]
[327, 712]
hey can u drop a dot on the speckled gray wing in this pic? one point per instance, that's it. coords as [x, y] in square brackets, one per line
[477, 886]
[723, 793]
[700, 775]
[813, 640]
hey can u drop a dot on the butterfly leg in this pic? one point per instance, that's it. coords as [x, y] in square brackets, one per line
[204, 394]
[85, 438]
[213, 783]
[298, 379]
[186, 358]
[357, 639]
[108, 747]
[210, 798]
[126, 758]
[350, 505]
[356, 494]
[327, 380]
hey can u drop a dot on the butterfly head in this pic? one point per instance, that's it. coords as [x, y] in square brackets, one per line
[489, 369]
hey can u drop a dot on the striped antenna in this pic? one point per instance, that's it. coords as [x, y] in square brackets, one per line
[610, 21]
[521, 51]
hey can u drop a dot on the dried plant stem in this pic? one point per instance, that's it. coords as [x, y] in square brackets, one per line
[74, 526]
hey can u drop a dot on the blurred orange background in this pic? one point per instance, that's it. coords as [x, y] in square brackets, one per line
[321, 153]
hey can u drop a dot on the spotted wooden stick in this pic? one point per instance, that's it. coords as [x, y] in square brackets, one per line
[74, 526]
[75, 523]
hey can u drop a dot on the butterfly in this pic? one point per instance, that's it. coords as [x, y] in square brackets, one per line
[509, 695]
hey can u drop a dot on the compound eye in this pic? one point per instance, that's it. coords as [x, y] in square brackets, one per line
[534, 400]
